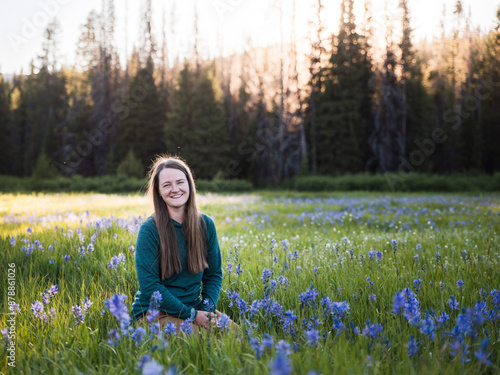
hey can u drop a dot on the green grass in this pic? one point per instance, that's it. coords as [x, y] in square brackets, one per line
[332, 234]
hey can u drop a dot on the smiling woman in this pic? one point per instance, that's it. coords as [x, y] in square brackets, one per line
[177, 252]
[174, 189]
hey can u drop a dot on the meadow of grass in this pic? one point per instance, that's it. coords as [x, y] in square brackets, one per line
[323, 283]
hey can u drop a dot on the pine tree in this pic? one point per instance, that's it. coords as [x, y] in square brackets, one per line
[196, 130]
[105, 91]
[416, 113]
[45, 104]
[5, 122]
[489, 89]
[344, 118]
[315, 85]
[386, 141]
[142, 129]
[17, 130]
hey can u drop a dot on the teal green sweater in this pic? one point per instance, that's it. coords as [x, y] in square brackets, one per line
[181, 292]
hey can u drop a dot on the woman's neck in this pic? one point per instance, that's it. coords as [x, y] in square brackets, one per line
[177, 214]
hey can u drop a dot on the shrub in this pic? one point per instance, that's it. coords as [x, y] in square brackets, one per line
[470, 182]
[219, 185]
[130, 166]
[43, 169]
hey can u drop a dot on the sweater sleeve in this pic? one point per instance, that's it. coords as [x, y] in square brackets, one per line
[212, 276]
[147, 263]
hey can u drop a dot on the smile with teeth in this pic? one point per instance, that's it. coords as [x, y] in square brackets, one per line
[176, 196]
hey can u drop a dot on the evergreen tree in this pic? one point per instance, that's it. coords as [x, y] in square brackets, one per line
[105, 91]
[416, 124]
[344, 113]
[131, 166]
[17, 130]
[141, 131]
[244, 137]
[386, 141]
[489, 88]
[196, 130]
[316, 85]
[5, 121]
[44, 99]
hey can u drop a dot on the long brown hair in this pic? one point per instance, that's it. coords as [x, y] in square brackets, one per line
[193, 226]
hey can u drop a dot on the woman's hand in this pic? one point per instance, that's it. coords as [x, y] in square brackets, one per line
[205, 319]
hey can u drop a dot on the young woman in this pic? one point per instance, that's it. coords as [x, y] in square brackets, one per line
[177, 252]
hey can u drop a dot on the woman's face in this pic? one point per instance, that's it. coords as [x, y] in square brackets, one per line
[173, 188]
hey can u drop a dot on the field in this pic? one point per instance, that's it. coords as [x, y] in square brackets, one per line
[326, 283]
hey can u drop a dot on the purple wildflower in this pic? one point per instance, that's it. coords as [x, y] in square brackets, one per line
[113, 337]
[288, 319]
[229, 268]
[138, 335]
[14, 308]
[280, 365]
[283, 281]
[186, 326]
[155, 300]
[453, 303]
[394, 246]
[267, 342]
[338, 326]
[428, 327]
[223, 322]
[312, 337]
[170, 329]
[256, 346]
[412, 347]
[460, 347]
[37, 308]
[142, 361]
[152, 368]
[417, 284]
[481, 354]
[119, 310]
[308, 298]
[116, 260]
[336, 309]
[441, 319]
[77, 312]
[266, 274]
[372, 330]
[239, 271]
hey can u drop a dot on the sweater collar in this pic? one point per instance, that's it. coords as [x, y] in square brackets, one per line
[176, 223]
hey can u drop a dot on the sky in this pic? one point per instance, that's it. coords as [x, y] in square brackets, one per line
[225, 26]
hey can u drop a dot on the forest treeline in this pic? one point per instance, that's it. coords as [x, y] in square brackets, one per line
[431, 107]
